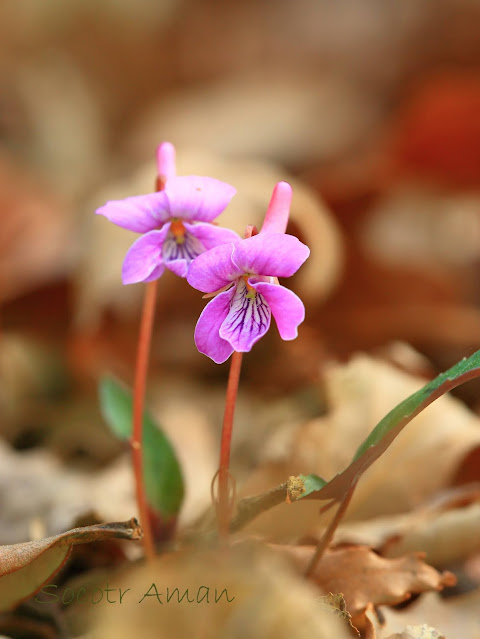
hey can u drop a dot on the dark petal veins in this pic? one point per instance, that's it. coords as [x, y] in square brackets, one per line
[248, 318]
[187, 250]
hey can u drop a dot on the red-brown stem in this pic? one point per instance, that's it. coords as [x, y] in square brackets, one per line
[223, 503]
[143, 352]
[324, 542]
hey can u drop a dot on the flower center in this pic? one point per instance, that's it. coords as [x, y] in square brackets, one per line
[252, 293]
[178, 230]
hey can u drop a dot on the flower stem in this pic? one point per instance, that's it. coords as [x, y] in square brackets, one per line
[143, 351]
[223, 505]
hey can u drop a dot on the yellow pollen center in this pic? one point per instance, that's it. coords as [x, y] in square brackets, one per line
[178, 230]
[251, 291]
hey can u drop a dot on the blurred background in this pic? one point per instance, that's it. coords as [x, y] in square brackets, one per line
[370, 110]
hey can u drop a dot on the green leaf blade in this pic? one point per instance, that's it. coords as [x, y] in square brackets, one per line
[413, 404]
[164, 485]
[392, 424]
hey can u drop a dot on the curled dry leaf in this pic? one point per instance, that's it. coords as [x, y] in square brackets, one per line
[24, 568]
[99, 280]
[365, 578]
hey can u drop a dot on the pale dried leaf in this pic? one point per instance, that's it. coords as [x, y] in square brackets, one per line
[424, 228]
[446, 532]
[453, 617]
[271, 601]
[418, 632]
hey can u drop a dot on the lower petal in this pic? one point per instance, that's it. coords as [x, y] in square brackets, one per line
[207, 338]
[287, 308]
[143, 262]
[248, 318]
[178, 255]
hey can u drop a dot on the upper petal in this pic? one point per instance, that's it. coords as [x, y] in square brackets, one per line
[274, 254]
[207, 338]
[287, 308]
[143, 262]
[197, 198]
[140, 213]
[213, 269]
[248, 319]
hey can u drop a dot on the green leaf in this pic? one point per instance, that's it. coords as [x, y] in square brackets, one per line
[164, 485]
[392, 424]
[25, 568]
[312, 483]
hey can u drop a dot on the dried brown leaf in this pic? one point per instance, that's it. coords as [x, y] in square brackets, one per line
[24, 568]
[364, 578]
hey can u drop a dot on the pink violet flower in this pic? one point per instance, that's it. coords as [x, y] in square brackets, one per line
[175, 224]
[244, 274]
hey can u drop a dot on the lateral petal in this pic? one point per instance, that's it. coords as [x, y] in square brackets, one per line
[287, 308]
[140, 213]
[143, 262]
[213, 269]
[207, 338]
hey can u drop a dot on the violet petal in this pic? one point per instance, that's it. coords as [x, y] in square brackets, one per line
[213, 269]
[140, 213]
[248, 318]
[287, 308]
[211, 235]
[143, 261]
[207, 338]
[273, 254]
[178, 255]
[197, 198]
